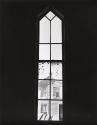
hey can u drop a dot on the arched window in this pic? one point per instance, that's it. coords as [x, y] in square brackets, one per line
[50, 71]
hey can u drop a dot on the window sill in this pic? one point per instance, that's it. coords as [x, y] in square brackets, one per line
[37, 122]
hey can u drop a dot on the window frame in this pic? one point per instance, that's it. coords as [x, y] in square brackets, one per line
[38, 18]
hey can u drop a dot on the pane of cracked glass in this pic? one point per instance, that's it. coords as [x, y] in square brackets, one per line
[56, 51]
[56, 110]
[50, 15]
[43, 89]
[44, 30]
[44, 70]
[44, 52]
[56, 89]
[56, 30]
[43, 110]
[56, 71]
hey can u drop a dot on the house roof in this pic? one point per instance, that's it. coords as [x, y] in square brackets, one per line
[44, 83]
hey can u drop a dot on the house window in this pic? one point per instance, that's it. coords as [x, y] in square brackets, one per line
[50, 74]
[43, 108]
[56, 91]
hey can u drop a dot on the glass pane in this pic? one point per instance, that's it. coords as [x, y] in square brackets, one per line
[50, 15]
[56, 89]
[56, 71]
[43, 89]
[44, 70]
[57, 110]
[56, 30]
[43, 110]
[44, 31]
[44, 52]
[56, 51]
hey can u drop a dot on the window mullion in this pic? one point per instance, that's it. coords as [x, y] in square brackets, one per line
[50, 76]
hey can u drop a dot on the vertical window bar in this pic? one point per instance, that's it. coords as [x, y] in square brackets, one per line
[50, 75]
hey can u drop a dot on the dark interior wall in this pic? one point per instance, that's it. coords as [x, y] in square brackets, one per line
[19, 66]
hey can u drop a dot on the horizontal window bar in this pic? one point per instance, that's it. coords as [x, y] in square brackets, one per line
[50, 99]
[50, 60]
[51, 79]
[49, 43]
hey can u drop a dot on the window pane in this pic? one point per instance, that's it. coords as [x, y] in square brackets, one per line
[43, 89]
[44, 52]
[44, 70]
[50, 15]
[56, 89]
[57, 110]
[56, 71]
[44, 31]
[56, 30]
[43, 110]
[56, 51]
